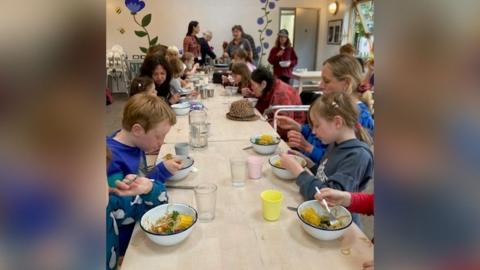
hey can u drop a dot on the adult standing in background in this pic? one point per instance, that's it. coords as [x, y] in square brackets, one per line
[254, 54]
[283, 52]
[238, 42]
[205, 48]
[190, 42]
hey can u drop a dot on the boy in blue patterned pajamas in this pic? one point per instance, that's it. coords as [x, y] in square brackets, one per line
[134, 190]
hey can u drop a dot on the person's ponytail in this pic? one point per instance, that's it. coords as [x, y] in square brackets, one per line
[362, 134]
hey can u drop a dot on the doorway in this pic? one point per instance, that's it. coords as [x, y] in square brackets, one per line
[302, 26]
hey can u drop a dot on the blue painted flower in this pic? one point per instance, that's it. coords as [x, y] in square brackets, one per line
[271, 5]
[134, 5]
[260, 20]
[259, 49]
[266, 45]
[269, 32]
[263, 1]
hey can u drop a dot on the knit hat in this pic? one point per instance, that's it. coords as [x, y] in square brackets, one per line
[242, 110]
[283, 33]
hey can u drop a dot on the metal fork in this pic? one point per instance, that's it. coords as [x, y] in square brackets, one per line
[331, 218]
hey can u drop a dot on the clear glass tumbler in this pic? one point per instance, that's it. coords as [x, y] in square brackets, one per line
[206, 197]
[238, 167]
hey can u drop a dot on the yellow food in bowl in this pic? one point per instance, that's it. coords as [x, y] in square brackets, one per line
[311, 216]
[266, 139]
[278, 163]
[172, 223]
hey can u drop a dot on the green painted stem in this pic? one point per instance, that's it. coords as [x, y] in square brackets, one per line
[144, 29]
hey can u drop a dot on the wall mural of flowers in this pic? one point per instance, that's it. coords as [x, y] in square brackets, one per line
[264, 22]
[135, 6]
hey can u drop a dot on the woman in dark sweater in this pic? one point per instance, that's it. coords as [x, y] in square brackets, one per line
[157, 68]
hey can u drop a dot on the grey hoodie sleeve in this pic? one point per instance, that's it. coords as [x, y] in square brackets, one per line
[348, 176]
[308, 182]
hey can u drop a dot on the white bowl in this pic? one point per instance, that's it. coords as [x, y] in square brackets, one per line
[151, 216]
[187, 165]
[285, 63]
[231, 90]
[253, 101]
[181, 108]
[264, 149]
[324, 234]
[284, 173]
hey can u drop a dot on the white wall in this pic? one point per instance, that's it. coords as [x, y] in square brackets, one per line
[324, 49]
[170, 21]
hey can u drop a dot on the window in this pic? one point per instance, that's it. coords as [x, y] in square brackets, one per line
[287, 21]
[363, 27]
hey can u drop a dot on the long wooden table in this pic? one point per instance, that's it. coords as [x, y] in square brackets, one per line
[221, 128]
[239, 237]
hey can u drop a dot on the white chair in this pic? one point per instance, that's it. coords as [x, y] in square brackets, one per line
[117, 70]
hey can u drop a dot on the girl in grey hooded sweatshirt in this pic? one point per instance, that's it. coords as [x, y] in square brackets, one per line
[348, 162]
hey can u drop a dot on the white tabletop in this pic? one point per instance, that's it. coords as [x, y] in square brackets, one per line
[221, 128]
[307, 75]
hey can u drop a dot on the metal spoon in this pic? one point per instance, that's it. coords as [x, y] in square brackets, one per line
[331, 218]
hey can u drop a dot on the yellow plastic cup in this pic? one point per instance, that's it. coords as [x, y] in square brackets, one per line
[272, 203]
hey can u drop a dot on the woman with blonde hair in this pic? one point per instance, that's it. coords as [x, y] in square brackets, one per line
[343, 73]
[340, 73]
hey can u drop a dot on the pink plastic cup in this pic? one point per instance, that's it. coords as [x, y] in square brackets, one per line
[255, 165]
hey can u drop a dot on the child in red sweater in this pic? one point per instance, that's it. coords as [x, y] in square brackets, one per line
[356, 202]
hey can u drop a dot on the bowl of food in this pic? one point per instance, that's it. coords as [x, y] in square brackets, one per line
[186, 167]
[169, 224]
[280, 171]
[181, 108]
[265, 144]
[314, 220]
[285, 64]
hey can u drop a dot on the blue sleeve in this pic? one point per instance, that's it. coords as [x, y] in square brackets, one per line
[318, 148]
[112, 245]
[128, 210]
[305, 130]
[159, 173]
[157, 196]
[317, 153]
[366, 119]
